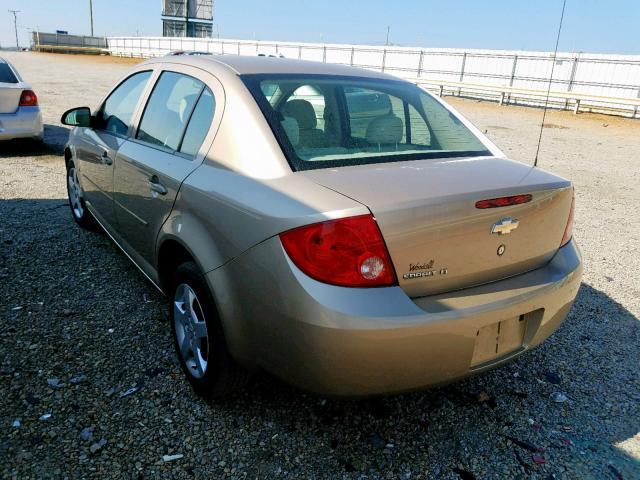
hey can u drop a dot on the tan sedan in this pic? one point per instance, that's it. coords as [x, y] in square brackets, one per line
[340, 228]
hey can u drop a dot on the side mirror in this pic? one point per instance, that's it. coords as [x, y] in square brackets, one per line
[77, 117]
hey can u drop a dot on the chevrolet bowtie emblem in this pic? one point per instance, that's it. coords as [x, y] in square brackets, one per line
[505, 226]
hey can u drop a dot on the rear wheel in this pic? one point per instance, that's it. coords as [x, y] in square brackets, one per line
[198, 336]
[81, 215]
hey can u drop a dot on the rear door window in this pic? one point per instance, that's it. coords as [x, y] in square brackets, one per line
[168, 110]
[199, 124]
[6, 74]
[118, 109]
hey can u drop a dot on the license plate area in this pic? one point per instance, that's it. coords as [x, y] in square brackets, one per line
[498, 339]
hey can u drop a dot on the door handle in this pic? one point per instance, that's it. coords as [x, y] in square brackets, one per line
[106, 159]
[156, 186]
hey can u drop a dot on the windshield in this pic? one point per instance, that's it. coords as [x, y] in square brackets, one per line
[328, 121]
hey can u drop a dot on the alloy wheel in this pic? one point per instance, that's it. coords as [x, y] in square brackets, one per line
[191, 330]
[75, 197]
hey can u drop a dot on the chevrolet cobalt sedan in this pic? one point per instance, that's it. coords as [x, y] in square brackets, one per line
[340, 228]
[20, 115]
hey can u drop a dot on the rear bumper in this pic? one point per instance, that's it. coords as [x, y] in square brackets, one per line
[354, 342]
[26, 122]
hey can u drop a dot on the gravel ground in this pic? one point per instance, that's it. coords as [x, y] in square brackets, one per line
[79, 326]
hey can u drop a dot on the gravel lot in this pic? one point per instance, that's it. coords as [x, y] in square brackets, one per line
[79, 326]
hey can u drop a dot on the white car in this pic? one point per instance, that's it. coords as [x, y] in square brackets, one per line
[20, 115]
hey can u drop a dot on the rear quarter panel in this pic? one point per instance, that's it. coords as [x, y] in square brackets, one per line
[219, 213]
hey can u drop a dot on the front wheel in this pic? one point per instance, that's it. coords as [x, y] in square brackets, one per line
[198, 336]
[76, 201]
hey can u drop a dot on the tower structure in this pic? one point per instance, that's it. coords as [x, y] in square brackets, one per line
[187, 18]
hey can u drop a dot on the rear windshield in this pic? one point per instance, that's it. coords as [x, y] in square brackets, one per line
[327, 121]
[6, 74]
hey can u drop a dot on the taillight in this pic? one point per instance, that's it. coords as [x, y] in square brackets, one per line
[28, 99]
[503, 201]
[349, 252]
[568, 230]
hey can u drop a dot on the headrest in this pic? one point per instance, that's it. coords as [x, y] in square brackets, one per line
[302, 111]
[292, 130]
[385, 130]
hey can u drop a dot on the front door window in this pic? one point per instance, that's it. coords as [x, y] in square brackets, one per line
[117, 111]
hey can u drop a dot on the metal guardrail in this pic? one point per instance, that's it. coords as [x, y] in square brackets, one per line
[575, 100]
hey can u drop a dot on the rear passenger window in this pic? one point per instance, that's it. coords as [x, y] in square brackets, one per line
[199, 124]
[6, 74]
[169, 109]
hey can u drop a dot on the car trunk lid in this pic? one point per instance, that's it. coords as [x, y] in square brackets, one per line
[10, 96]
[437, 238]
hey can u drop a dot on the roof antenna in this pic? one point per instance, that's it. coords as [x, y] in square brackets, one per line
[546, 100]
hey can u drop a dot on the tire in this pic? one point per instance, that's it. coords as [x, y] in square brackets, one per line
[198, 336]
[79, 210]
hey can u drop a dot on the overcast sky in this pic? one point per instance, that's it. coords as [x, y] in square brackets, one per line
[590, 25]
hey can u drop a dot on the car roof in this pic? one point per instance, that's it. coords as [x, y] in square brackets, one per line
[246, 65]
